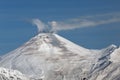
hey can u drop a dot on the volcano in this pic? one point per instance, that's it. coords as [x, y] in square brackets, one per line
[48, 56]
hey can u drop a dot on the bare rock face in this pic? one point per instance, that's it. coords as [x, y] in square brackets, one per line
[49, 56]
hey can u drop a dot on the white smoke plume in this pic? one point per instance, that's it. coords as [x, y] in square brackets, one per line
[86, 21]
[40, 25]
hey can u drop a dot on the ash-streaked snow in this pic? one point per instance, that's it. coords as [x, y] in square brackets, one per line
[49, 56]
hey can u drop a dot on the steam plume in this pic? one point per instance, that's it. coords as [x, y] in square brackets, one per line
[40, 25]
[86, 21]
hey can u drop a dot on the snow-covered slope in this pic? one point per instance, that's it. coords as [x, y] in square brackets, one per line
[115, 56]
[49, 56]
[7, 74]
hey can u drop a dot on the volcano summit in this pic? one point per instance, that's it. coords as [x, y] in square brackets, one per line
[48, 56]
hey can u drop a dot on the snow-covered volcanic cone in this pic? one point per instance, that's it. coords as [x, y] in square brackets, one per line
[49, 56]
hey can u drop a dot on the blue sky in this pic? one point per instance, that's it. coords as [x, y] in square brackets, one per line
[16, 27]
